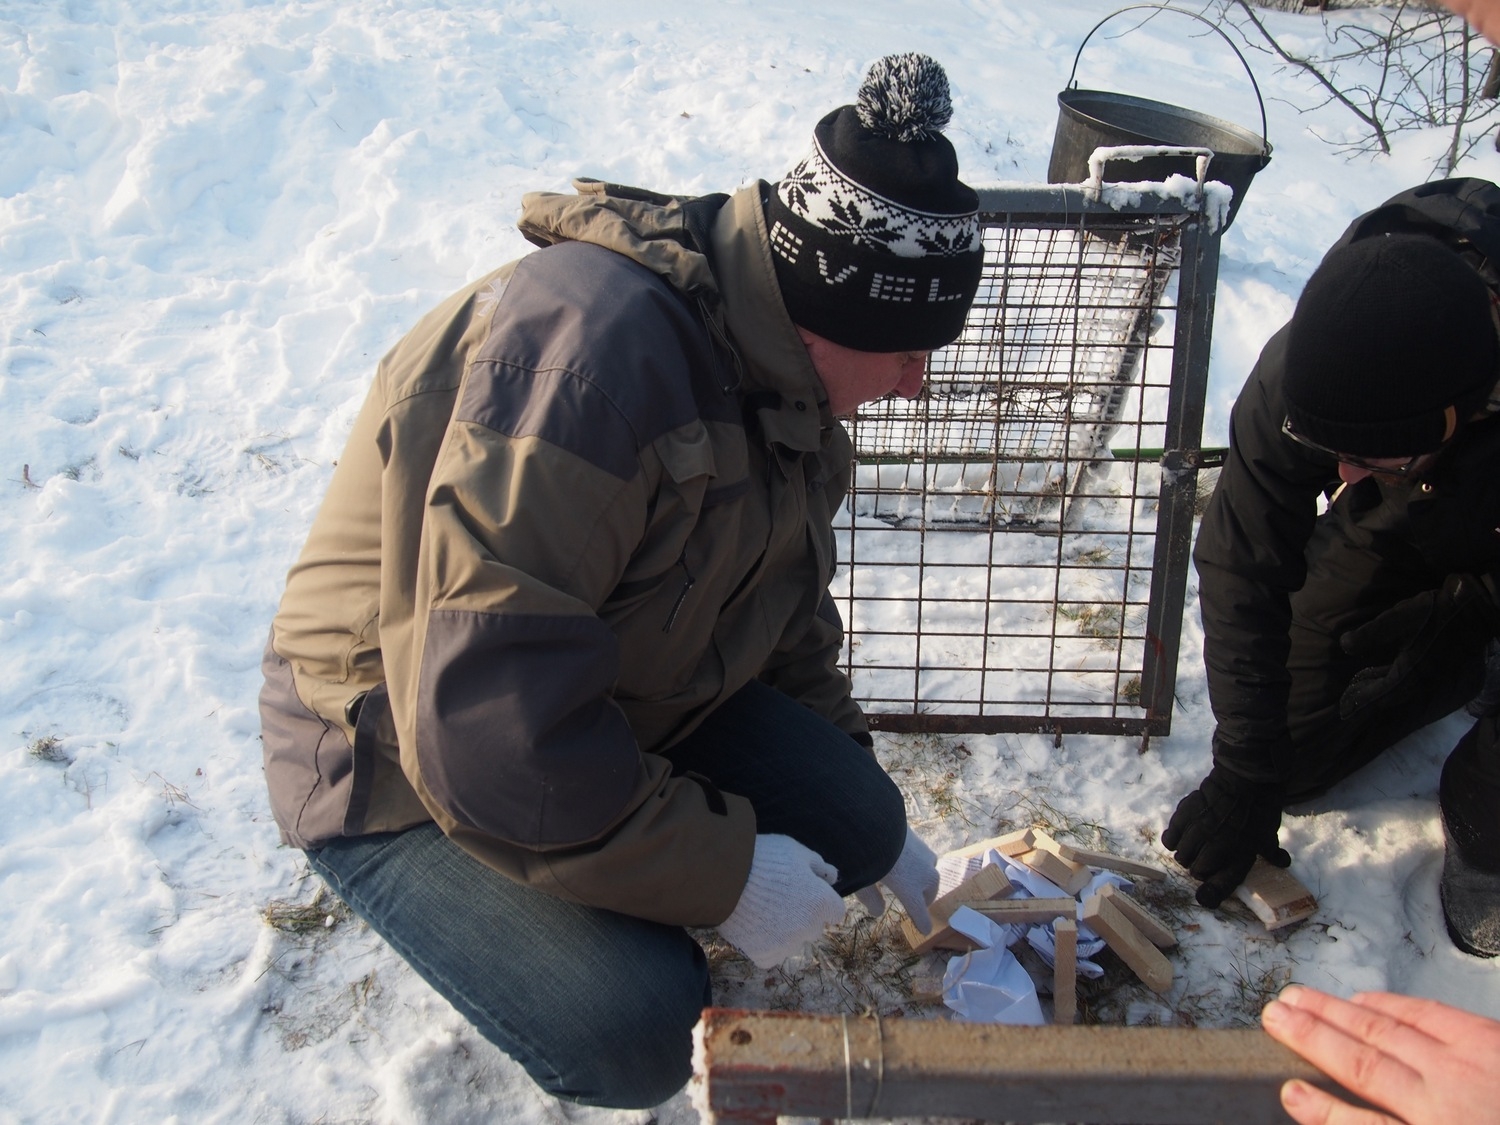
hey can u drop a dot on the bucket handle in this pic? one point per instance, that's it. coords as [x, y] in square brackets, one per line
[1215, 28]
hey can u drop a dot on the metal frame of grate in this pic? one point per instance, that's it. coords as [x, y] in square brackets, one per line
[1015, 546]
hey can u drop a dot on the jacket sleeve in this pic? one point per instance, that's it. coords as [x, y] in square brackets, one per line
[1250, 559]
[502, 696]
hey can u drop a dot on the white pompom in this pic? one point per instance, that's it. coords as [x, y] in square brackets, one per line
[905, 97]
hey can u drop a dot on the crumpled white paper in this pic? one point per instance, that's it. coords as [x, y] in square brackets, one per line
[990, 986]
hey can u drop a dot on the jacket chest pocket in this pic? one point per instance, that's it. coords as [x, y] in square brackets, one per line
[665, 620]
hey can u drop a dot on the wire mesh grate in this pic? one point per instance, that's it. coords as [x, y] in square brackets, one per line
[1000, 562]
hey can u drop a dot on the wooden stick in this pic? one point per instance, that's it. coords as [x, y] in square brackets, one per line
[1102, 916]
[1026, 910]
[1095, 859]
[1071, 877]
[753, 1066]
[1012, 843]
[1152, 928]
[985, 884]
[1275, 895]
[942, 936]
[1109, 862]
[988, 883]
[1065, 972]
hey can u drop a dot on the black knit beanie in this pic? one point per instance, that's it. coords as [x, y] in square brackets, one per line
[875, 238]
[1390, 332]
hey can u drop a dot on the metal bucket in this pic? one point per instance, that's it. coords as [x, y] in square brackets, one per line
[1090, 119]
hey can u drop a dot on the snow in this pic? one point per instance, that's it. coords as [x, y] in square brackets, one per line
[214, 218]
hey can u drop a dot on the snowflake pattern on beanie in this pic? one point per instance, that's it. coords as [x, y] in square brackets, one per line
[822, 195]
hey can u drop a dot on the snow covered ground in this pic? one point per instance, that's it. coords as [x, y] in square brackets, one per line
[214, 218]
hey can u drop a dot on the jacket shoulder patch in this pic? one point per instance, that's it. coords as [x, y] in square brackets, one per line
[593, 353]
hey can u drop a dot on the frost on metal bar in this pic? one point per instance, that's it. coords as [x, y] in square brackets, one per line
[1015, 546]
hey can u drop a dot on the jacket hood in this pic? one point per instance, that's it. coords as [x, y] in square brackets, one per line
[1460, 213]
[654, 230]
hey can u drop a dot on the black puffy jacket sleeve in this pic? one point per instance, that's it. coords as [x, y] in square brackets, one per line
[1250, 556]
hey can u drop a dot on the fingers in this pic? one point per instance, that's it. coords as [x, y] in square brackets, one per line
[1308, 1105]
[1360, 1049]
[872, 900]
[1445, 1024]
[920, 916]
[1364, 1022]
[1276, 857]
[1195, 846]
[1220, 884]
[822, 868]
[1184, 816]
[1367, 686]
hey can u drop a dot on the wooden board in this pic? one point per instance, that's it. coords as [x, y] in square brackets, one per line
[1103, 917]
[1071, 877]
[1275, 895]
[988, 883]
[1012, 843]
[750, 1067]
[943, 936]
[1065, 972]
[1089, 858]
[985, 884]
[1152, 928]
[1026, 911]
[1110, 862]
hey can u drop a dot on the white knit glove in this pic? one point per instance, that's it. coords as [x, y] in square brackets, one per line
[914, 880]
[787, 901]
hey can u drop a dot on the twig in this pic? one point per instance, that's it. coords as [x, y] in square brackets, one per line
[1305, 64]
[1451, 161]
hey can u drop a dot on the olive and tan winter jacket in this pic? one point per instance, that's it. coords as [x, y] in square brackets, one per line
[587, 499]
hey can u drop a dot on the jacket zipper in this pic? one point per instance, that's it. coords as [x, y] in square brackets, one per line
[681, 597]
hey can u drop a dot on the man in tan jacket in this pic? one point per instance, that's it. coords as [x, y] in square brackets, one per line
[555, 674]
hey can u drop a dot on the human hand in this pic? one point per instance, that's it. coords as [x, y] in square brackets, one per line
[1218, 829]
[914, 882]
[787, 901]
[1424, 1062]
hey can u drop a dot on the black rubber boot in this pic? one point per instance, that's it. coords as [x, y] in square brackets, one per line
[1469, 796]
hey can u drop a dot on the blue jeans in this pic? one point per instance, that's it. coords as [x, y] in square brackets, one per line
[599, 1007]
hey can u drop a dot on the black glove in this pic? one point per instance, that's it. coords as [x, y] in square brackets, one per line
[1396, 642]
[1219, 829]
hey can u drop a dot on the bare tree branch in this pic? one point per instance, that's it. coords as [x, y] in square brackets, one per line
[1306, 65]
[1451, 161]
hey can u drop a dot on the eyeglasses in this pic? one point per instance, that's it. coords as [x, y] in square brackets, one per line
[1386, 466]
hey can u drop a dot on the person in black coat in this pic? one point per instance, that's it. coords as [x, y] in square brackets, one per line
[1329, 636]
